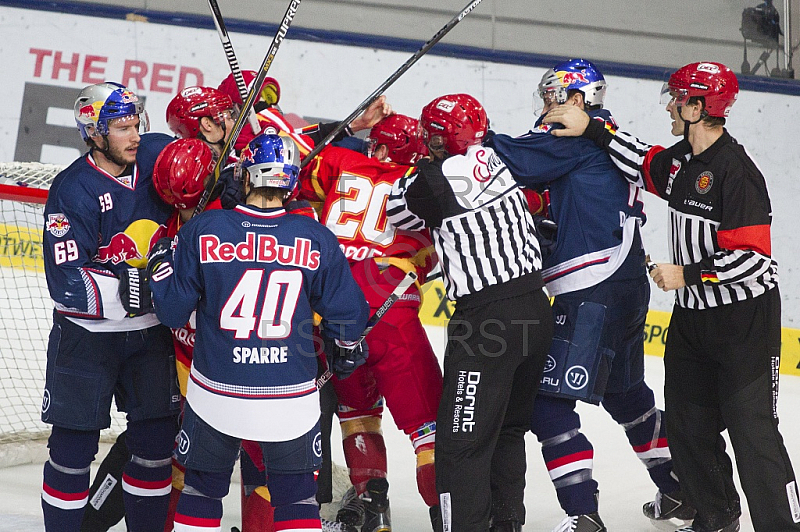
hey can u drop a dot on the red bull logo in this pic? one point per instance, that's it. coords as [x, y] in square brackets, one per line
[57, 224]
[568, 78]
[131, 246]
[128, 97]
[91, 111]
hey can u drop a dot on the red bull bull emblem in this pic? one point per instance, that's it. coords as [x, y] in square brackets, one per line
[568, 78]
[88, 111]
[57, 224]
[131, 246]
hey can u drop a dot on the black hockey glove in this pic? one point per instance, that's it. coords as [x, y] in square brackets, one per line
[546, 233]
[229, 189]
[134, 292]
[157, 254]
[344, 357]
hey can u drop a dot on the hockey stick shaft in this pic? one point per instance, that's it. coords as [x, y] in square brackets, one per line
[233, 63]
[390, 80]
[401, 288]
[248, 103]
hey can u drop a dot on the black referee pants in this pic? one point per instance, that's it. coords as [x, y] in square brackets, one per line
[721, 372]
[492, 367]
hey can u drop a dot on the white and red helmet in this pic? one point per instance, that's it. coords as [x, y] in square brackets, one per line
[459, 119]
[180, 172]
[714, 82]
[399, 133]
[191, 104]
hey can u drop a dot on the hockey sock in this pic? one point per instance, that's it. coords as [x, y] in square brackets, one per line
[258, 514]
[106, 507]
[423, 440]
[568, 455]
[146, 486]
[294, 501]
[147, 480]
[200, 505]
[364, 450]
[646, 430]
[569, 458]
[174, 497]
[65, 490]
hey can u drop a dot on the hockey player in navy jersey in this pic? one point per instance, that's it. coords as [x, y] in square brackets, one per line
[597, 275]
[253, 274]
[723, 350]
[101, 217]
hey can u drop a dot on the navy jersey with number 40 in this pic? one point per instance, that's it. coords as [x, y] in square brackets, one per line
[254, 276]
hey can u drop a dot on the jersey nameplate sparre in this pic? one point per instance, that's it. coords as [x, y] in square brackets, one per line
[265, 249]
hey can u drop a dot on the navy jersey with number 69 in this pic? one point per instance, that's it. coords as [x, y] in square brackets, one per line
[254, 276]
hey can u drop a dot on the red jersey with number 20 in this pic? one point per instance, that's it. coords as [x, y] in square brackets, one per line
[353, 189]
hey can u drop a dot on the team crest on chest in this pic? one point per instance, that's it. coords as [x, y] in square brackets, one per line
[703, 183]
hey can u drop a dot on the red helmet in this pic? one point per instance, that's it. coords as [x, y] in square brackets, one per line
[399, 134]
[191, 104]
[180, 171]
[458, 118]
[713, 81]
[270, 92]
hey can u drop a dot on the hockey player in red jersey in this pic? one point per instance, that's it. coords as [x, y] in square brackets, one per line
[402, 368]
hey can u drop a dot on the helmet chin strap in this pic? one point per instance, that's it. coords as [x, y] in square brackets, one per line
[687, 123]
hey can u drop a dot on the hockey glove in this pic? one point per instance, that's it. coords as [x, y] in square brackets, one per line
[546, 233]
[134, 292]
[344, 357]
[157, 255]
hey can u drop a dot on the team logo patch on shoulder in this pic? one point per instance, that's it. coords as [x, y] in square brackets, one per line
[704, 182]
[57, 224]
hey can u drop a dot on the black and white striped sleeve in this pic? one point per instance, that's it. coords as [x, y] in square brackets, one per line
[645, 165]
[412, 205]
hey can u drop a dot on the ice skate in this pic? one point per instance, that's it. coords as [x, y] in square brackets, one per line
[733, 527]
[581, 523]
[333, 526]
[669, 511]
[376, 506]
[352, 509]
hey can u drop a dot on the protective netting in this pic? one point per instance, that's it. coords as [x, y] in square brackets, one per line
[25, 309]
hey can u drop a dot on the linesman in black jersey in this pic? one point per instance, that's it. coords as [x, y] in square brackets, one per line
[723, 350]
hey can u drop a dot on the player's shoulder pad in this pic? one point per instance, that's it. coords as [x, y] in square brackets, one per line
[69, 183]
[150, 146]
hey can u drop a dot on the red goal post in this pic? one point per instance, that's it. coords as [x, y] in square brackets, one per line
[25, 312]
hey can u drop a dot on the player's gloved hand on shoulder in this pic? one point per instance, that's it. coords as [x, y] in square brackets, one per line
[158, 253]
[344, 357]
[134, 292]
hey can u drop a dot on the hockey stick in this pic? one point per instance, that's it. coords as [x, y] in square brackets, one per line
[248, 102]
[404, 284]
[390, 80]
[233, 63]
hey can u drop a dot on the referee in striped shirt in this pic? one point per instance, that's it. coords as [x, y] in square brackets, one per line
[502, 327]
[722, 354]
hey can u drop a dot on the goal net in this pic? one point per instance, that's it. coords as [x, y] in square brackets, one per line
[25, 312]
